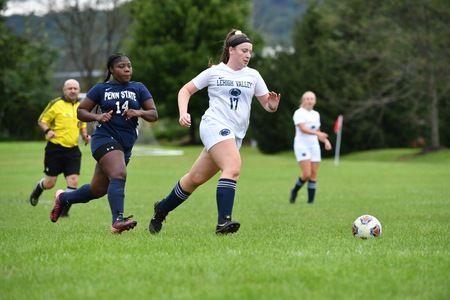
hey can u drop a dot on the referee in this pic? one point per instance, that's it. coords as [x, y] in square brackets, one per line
[61, 128]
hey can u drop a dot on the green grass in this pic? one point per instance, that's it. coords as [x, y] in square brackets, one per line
[282, 251]
[393, 155]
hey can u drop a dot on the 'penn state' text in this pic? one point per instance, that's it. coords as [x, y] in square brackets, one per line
[120, 95]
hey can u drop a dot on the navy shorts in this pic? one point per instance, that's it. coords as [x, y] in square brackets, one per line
[101, 144]
[59, 159]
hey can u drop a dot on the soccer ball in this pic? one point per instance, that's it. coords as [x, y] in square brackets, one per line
[366, 226]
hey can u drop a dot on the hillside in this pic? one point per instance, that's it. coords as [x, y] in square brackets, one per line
[275, 19]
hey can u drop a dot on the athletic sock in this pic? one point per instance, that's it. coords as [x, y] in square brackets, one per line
[66, 208]
[173, 200]
[40, 185]
[226, 189]
[116, 196]
[81, 195]
[70, 189]
[298, 184]
[311, 191]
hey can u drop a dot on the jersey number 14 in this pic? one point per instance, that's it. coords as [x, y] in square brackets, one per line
[124, 107]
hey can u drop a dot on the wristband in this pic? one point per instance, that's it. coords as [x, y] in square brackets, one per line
[47, 130]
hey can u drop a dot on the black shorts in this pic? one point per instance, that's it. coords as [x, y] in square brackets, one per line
[59, 159]
[105, 148]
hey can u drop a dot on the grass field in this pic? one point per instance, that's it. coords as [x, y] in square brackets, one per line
[282, 251]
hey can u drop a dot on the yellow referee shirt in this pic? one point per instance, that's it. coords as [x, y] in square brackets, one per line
[61, 117]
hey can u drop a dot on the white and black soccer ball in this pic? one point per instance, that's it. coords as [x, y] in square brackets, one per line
[366, 226]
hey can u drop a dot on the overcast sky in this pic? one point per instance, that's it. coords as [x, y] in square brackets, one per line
[24, 7]
[37, 7]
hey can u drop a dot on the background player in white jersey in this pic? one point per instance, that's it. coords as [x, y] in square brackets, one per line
[306, 145]
[231, 87]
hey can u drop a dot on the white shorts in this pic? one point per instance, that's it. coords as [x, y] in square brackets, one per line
[213, 132]
[310, 152]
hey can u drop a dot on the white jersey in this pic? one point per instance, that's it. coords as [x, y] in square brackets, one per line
[230, 94]
[311, 119]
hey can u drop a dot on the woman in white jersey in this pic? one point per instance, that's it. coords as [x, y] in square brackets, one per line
[306, 145]
[231, 86]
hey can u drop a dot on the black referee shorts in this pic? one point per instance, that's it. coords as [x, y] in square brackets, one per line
[59, 159]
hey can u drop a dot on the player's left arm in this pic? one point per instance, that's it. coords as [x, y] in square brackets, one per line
[327, 144]
[305, 129]
[148, 111]
[323, 137]
[270, 101]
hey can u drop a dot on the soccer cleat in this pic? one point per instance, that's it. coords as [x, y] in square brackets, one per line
[228, 226]
[122, 224]
[293, 196]
[35, 194]
[57, 207]
[65, 211]
[156, 221]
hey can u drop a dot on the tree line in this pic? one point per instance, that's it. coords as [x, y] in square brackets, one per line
[383, 65]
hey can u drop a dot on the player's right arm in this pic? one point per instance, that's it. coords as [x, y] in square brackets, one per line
[84, 112]
[184, 95]
[46, 118]
[49, 133]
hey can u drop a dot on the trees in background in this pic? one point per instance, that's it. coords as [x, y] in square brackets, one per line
[26, 70]
[172, 41]
[91, 31]
[384, 66]
[89, 34]
[426, 26]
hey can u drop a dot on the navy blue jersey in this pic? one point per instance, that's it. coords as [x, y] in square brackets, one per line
[118, 97]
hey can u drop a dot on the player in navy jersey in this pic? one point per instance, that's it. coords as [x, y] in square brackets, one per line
[306, 145]
[121, 102]
[231, 87]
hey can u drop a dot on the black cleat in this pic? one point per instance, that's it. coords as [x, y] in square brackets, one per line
[228, 226]
[35, 194]
[156, 221]
[293, 196]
